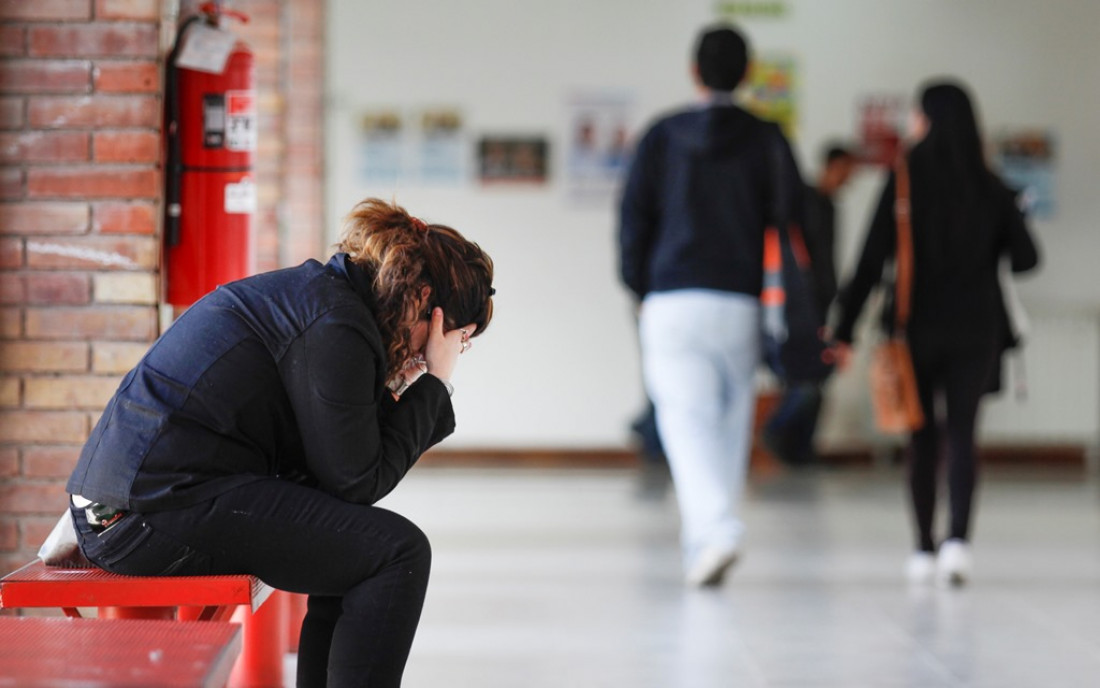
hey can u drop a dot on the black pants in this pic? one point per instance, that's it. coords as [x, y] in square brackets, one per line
[789, 431]
[961, 378]
[365, 569]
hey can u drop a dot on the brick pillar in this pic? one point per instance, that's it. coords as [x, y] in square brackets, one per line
[303, 233]
[80, 112]
[286, 38]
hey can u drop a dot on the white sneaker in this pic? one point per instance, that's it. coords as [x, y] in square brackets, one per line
[954, 563]
[921, 568]
[710, 567]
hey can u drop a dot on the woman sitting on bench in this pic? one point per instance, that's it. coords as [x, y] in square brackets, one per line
[258, 431]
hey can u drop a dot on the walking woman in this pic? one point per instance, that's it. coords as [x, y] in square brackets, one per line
[964, 219]
[258, 431]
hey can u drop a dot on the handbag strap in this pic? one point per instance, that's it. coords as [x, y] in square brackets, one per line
[904, 259]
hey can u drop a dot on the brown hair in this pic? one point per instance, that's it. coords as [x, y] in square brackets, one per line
[405, 254]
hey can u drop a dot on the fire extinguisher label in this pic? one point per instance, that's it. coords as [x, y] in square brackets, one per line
[240, 120]
[240, 197]
[213, 120]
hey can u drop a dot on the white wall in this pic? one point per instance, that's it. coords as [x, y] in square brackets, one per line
[559, 366]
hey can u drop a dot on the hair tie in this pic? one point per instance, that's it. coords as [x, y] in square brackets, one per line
[418, 224]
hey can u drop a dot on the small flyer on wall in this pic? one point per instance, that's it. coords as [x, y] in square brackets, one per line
[513, 159]
[425, 146]
[1025, 160]
[381, 146]
[769, 91]
[599, 145]
[881, 127]
[441, 147]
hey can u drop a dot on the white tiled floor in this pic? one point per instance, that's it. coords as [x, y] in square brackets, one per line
[566, 579]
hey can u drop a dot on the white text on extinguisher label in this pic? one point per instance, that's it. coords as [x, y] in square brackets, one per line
[240, 197]
[240, 120]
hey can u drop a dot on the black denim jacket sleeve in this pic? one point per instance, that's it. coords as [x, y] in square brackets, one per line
[358, 442]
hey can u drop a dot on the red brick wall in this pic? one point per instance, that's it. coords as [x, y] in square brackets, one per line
[80, 191]
[79, 186]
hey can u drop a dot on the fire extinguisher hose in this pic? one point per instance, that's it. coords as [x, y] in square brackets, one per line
[174, 163]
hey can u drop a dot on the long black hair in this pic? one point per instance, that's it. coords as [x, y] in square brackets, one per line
[949, 168]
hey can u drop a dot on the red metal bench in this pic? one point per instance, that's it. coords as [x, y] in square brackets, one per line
[182, 598]
[38, 652]
[161, 597]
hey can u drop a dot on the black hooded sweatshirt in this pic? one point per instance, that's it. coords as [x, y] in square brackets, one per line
[701, 189]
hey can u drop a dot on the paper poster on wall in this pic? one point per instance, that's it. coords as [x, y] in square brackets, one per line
[599, 146]
[754, 9]
[768, 91]
[513, 160]
[442, 147]
[881, 126]
[1025, 159]
[381, 146]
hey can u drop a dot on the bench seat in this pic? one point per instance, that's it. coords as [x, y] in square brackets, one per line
[216, 597]
[40, 652]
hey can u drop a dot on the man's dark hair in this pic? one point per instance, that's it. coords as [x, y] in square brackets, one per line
[721, 56]
[836, 151]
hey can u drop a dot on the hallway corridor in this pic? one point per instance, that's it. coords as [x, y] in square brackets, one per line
[563, 579]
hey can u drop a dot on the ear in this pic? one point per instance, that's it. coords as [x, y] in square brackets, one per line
[425, 295]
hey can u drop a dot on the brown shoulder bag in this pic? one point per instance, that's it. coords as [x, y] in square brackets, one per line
[893, 384]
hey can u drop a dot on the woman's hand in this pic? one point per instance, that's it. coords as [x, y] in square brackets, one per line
[842, 352]
[443, 348]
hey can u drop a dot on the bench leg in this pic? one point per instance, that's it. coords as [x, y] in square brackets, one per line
[137, 612]
[261, 662]
[295, 613]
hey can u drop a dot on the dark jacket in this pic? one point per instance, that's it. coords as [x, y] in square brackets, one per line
[276, 375]
[956, 296]
[701, 188]
[819, 231]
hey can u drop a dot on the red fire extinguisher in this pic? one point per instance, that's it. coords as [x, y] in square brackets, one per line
[210, 129]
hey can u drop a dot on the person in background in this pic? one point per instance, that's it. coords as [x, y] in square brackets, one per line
[654, 473]
[789, 431]
[258, 431]
[694, 206]
[964, 219]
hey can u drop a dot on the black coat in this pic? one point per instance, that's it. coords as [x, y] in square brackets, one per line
[957, 302]
[276, 375]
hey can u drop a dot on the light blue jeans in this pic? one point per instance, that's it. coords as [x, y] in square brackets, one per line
[700, 350]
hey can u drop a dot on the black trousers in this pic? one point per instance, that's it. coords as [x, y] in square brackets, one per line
[364, 568]
[790, 430]
[960, 378]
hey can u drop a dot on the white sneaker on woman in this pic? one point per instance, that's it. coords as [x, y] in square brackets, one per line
[954, 563]
[921, 568]
[709, 568]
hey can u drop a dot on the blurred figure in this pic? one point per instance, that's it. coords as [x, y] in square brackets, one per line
[654, 477]
[964, 219]
[694, 207]
[789, 432]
